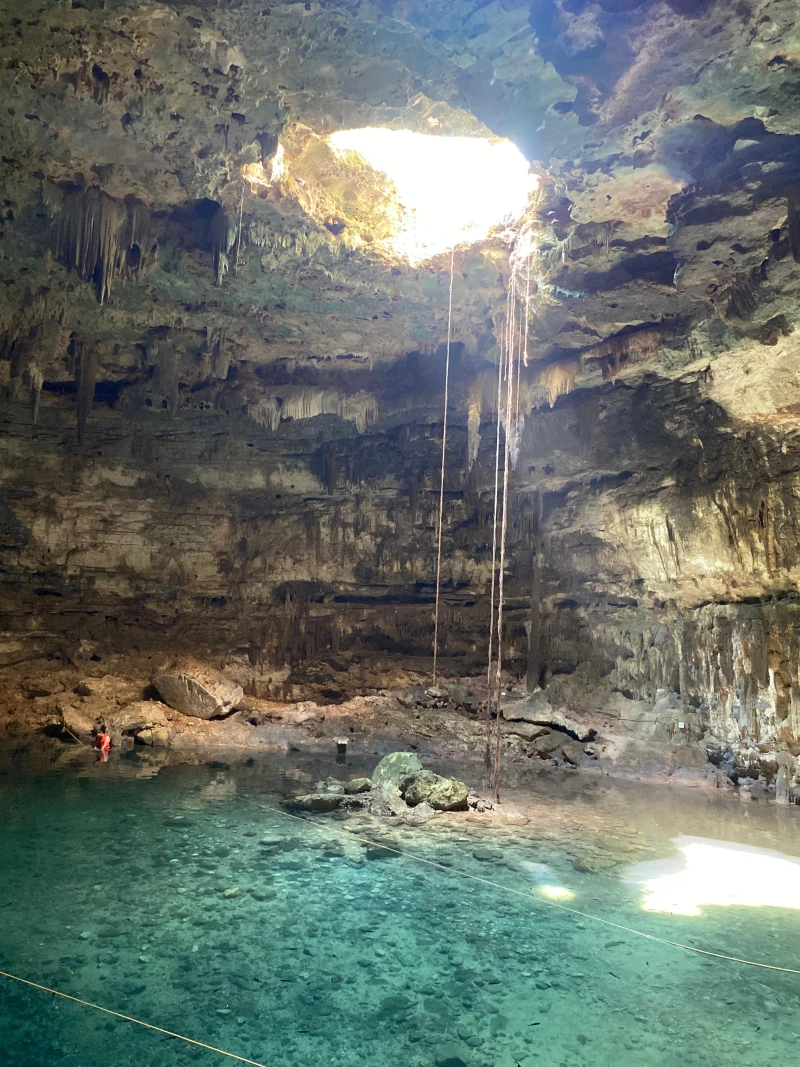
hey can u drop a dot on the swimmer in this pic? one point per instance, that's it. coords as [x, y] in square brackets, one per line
[102, 743]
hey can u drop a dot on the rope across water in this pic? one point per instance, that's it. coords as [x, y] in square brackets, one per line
[415, 857]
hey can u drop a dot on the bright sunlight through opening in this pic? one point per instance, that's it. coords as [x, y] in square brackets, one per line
[717, 872]
[454, 190]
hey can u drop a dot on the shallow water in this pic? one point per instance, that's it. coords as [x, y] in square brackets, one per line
[182, 895]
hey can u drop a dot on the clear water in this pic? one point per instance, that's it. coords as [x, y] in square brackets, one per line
[113, 883]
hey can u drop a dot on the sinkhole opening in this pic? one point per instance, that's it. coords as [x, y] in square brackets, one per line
[452, 190]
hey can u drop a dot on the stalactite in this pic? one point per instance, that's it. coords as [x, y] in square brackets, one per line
[557, 379]
[223, 237]
[474, 424]
[220, 356]
[30, 356]
[103, 240]
[36, 379]
[307, 402]
[86, 361]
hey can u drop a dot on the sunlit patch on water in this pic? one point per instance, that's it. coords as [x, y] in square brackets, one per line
[707, 872]
[548, 883]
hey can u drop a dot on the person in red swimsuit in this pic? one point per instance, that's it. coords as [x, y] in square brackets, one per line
[102, 743]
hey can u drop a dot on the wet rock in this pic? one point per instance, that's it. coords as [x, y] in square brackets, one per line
[442, 794]
[379, 852]
[194, 689]
[422, 813]
[319, 801]
[528, 731]
[487, 855]
[393, 768]
[329, 785]
[546, 745]
[357, 785]
[572, 752]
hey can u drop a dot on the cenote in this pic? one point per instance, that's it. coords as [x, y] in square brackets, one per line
[399, 533]
[189, 896]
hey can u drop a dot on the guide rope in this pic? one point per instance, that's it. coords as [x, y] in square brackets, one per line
[441, 484]
[131, 1019]
[543, 900]
[418, 859]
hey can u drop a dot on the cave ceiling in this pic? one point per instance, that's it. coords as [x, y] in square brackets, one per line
[133, 136]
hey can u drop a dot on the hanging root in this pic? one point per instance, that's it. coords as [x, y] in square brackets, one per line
[444, 452]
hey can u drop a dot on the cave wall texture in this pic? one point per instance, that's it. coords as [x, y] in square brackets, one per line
[222, 403]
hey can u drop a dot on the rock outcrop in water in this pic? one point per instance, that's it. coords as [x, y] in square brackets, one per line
[399, 786]
[222, 398]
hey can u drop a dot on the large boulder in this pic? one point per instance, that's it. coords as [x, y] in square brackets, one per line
[442, 794]
[393, 768]
[194, 689]
[536, 708]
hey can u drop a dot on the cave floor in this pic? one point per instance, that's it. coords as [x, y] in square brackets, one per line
[181, 894]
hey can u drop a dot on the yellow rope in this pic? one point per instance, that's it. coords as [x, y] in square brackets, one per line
[552, 903]
[131, 1019]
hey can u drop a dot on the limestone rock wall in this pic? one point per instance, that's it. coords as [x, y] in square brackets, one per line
[220, 420]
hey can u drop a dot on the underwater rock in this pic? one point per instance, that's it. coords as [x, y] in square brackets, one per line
[420, 814]
[319, 801]
[442, 794]
[329, 785]
[195, 689]
[358, 785]
[393, 768]
[487, 855]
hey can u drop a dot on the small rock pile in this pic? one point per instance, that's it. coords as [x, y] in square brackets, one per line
[400, 786]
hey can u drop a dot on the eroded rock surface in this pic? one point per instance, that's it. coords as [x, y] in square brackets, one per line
[221, 412]
[195, 689]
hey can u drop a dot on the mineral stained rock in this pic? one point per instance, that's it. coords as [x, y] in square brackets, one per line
[442, 794]
[393, 768]
[194, 689]
[399, 785]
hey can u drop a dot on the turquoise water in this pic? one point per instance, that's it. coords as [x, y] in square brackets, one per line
[180, 895]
